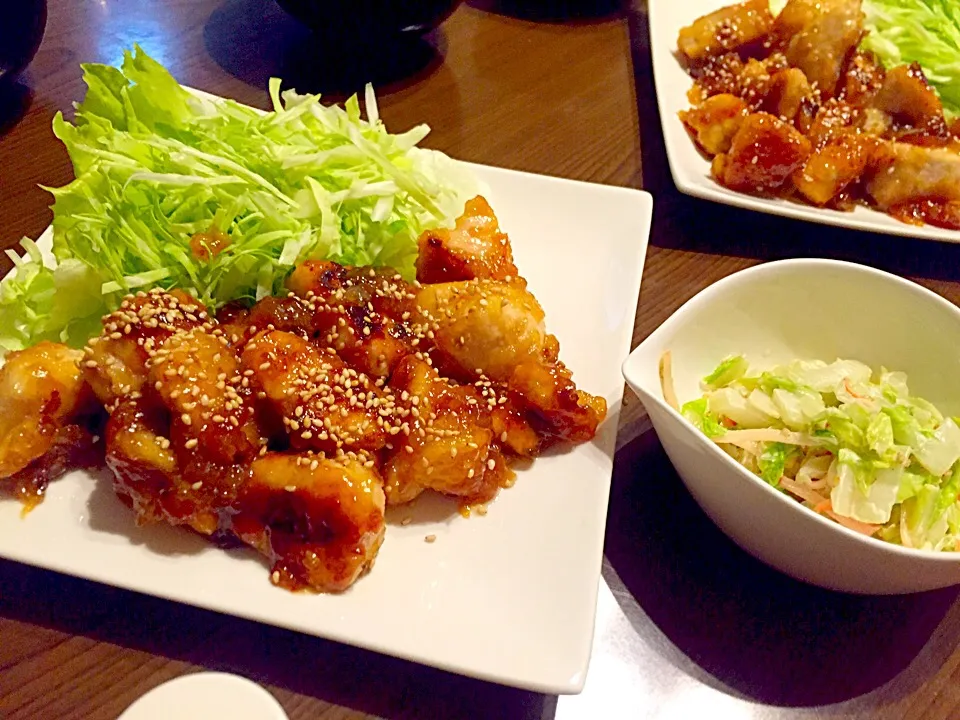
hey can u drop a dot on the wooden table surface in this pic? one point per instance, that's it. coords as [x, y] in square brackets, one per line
[688, 625]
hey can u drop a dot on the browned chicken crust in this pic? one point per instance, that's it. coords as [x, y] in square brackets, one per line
[289, 426]
[42, 401]
[789, 107]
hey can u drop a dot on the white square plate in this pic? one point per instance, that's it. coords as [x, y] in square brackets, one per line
[509, 597]
[691, 169]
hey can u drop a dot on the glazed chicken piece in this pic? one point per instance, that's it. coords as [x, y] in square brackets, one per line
[818, 36]
[117, 362]
[318, 520]
[368, 316]
[789, 93]
[715, 121]
[906, 173]
[718, 75]
[42, 399]
[496, 331]
[730, 28]
[834, 118]
[182, 423]
[475, 248]
[862, 79]
[763, 155]
[908, 98]
[146, 473]
[448, 448]
[324, 405]
[831, 168]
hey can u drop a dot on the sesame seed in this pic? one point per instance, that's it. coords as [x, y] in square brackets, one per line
[406, 521]
[197, 485]
[191, 443]
[186, 419]
[430, 538]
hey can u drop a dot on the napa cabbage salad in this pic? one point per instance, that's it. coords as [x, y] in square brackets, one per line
[927, 32]
[178, 190]
[846, 442]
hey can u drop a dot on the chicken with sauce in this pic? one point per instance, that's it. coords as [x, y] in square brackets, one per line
[788, 107]
[44, 404]
[289, 426]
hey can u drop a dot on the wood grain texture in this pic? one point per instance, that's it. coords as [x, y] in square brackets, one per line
[569, 96]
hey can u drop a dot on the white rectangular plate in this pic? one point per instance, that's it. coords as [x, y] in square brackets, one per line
[509, 597]
[691, 169]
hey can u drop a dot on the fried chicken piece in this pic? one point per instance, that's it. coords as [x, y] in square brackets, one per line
[366, 315]
[718, 75]
[197, 376]
[449, 448]
[905, 173]
[754, 83]
[491, 328]
[475, 248]
[145, 469]
[46, 412]
[319, 521]
[324, 405]
[833, 119]
[182, 424]
[715, 121]
[731, 28]
[788, 94]
[73, 447]
[831, 168]
[862, 79]
[818, 37]
[117, 361]
[763, 156]
[42, 393]
[910, 100]
[496, 331]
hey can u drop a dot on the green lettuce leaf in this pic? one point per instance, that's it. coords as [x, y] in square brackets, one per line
[156, 164]
[728, 371]
[922, 31]
[772, 460]
[696, 412]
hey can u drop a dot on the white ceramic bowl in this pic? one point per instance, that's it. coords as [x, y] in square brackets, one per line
[802, 309]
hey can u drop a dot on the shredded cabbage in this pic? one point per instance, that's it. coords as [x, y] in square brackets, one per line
[843, 440]
[157, 165]
[922, 31]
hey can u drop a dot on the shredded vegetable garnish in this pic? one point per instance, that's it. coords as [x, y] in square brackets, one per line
[846, 442]
[218, 199]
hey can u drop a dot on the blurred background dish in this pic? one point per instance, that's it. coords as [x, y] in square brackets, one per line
[22, 23]
[365, 22]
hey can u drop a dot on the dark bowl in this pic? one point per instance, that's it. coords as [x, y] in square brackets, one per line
[363, 22]
[22, 23]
